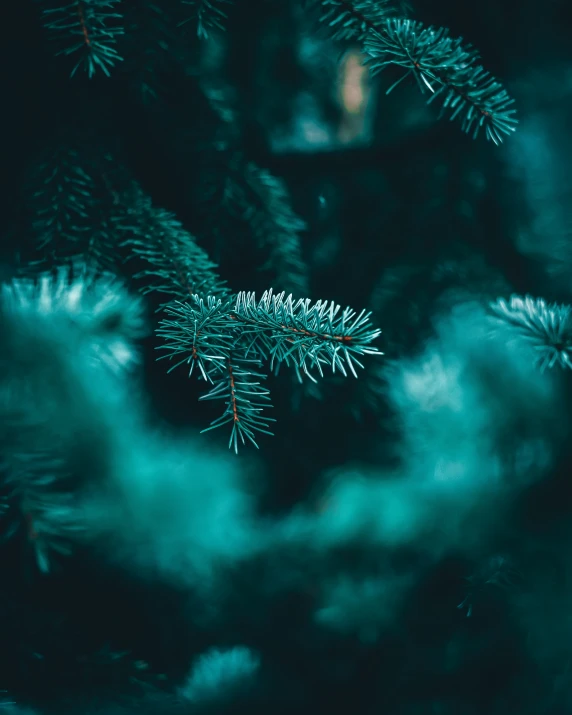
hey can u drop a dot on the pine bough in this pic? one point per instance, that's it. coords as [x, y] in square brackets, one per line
[88, 29]
[441, 65]
[208, 15]
[228, 340]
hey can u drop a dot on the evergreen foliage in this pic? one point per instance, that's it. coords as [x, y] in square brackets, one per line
[228, 340]
[69, 209]
[443, 66]
[183, 182]
[449, 71]
[208, 15]
[262, 200]
[47, 325]
[88, 31]
[546, 327]
[178, 266]
[356, 19]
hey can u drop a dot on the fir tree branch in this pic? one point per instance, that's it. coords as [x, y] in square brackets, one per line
[200, 334]
[182, 270]
[178, 266]
[546, 327]
[89, 28]
[208, 15]
[205, 334]
[262, 201]
[275, 328]
[439, 63]
[255, 197]
[64, 198]
[355, 19]
[150, 45]
[228, 340]
[240, 386]
[304, 334]
[67, 206]
[448, 70]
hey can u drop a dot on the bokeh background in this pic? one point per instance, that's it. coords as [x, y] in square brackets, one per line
[413, 526]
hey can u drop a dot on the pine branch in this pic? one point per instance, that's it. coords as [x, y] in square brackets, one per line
[201, 334]
[275, 328]
[208, 15]
[355, 19]
[89, 28]
[546, 327]
[254, 196]
[205, 337]
[448, 70]
[227, 339]
[69, 217]
[64, 198]
[179, 268]
[439, 63]
[306, 335]
[204, 334]
[241, 387]
[151, 45]
[262, 201]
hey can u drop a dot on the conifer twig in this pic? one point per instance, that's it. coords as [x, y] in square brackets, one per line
[443, 66]
[355, 19]
[254, 196]
[228, 339]
[69, 215]
[306, 335]
[241, 387]
[263, 201]
[89, 28]
[448, 70]
[178, 267]
[209, 15]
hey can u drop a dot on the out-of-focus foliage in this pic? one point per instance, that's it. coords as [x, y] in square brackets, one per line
[88, 29]
[547, 327]
[401, 544]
